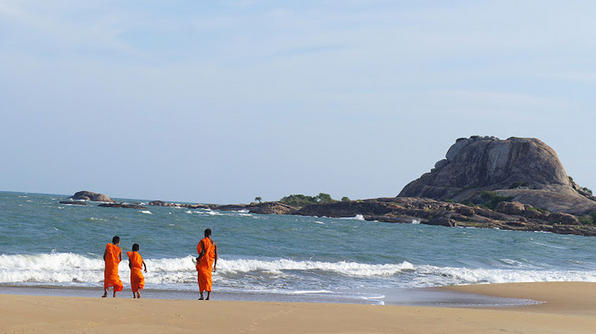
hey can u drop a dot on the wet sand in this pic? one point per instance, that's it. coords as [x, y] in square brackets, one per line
[567, 308]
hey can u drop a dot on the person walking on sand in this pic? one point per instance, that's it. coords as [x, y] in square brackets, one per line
[206, 263]
[112, 257]
[136, 264]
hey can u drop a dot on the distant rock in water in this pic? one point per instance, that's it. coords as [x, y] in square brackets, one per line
[91, 196]
[122, 205]
[178, 205]
[73, 202]
[524, 169]
[268, 208]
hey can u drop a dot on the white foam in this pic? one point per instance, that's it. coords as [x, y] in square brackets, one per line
[356, 217]
[373, 297]
[344, 268]
[440, 276]
[69, 268]
[310, 292]
[211, 212]
[147, 212]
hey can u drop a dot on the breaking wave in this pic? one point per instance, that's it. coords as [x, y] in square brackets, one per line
[69, 268]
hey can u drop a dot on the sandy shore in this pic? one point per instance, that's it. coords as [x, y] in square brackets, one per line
[568, 308]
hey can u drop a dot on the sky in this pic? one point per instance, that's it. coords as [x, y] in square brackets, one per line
[223, 101]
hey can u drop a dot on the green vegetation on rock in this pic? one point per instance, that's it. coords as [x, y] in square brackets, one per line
[300, 200]
[589, 219]
[491, 199]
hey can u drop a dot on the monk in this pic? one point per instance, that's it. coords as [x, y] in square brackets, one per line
[206, 263]
[136, 264]
[112, 257]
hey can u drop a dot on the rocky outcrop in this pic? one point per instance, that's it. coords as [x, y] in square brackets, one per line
[525, 169]
[91, 196]
[266, 208]
[122, 205]
[228, 207]
[512, 208]
[73, 202]
[563, 218]
[513, 215]
[178, 205]
[275, 208]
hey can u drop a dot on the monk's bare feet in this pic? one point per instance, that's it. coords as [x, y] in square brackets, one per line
[208, 295]
[133, 295]
[105, 294]
[114, 295]
[138, 295]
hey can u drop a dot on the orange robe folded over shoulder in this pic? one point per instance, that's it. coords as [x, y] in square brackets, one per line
[137, 280]
[111, 278]
[205, 265]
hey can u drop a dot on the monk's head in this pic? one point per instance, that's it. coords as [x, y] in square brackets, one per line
[135, 247]
[116, 240]
[208, 232]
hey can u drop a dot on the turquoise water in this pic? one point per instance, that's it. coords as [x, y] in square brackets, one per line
[43, 242]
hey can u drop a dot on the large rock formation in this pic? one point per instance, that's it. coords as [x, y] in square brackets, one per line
[91, 196]
[524, 169]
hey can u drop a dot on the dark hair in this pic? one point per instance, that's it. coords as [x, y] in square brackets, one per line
[135, 247]
[208, 232]
[115, 239]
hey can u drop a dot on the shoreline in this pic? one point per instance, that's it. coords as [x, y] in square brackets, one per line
[572, 297]
[570, 307]
[426, 297]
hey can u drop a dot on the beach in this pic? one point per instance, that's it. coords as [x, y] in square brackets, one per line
[281, 273]
[567, 308]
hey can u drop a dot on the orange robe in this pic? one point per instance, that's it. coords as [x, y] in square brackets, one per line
[205, 265]
[137, 280]
[111, 277]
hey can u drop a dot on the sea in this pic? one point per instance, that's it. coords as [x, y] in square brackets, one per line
[50, 248]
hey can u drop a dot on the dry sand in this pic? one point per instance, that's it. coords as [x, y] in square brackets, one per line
[569, 308]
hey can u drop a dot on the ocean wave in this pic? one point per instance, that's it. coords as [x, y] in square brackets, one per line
[147, 212]
[356, 217]
[69, 268]
[428, 276]
[345, 268]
